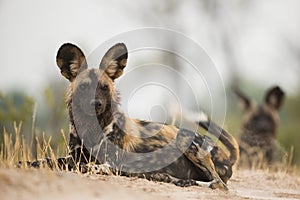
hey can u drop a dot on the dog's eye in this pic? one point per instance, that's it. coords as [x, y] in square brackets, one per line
[83, 86]
[105, 87]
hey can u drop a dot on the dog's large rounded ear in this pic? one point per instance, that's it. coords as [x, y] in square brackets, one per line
[275, 97]
[114, 61]
[244, 101]
[70, 60]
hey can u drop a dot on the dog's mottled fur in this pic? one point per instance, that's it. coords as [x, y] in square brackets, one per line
[260, 122]
[109, 137]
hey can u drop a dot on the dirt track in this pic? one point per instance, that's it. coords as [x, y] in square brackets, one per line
[44, 184]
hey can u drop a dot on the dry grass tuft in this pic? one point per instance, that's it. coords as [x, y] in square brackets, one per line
[15, 148]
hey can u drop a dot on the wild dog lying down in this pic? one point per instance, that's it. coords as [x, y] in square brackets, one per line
[134, 147]
[258, 137]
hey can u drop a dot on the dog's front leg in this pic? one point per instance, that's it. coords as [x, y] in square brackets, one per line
[63, 163]
[193, 147]
[164, 177]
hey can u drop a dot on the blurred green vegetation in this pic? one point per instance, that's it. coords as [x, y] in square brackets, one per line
[289, 129]
[41, 120]
[52, 116]
[15, 106]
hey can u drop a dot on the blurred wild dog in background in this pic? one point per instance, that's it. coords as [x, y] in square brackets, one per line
[258, 144]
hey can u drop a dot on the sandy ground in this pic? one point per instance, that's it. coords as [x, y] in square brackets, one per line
[45, 184]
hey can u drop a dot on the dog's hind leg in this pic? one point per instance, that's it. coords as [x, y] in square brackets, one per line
[167, 178]
[197, 150]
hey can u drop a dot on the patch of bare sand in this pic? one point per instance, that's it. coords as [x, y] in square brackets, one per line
[44, 184]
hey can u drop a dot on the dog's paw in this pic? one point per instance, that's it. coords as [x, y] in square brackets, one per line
[218, 185]
[21, 164]
[161, 177]
[102, 169]
[186, 183]
[41, 163]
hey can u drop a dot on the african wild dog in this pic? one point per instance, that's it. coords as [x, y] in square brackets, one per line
[258, 137]
[134, 147]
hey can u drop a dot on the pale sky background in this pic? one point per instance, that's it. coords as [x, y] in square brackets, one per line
[260, 33]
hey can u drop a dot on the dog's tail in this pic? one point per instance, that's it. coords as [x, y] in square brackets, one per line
[226, 138]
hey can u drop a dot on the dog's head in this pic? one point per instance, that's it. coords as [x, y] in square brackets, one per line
[92, 89]
[261, 119]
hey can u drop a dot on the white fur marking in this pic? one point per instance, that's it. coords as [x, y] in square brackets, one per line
[108, 128]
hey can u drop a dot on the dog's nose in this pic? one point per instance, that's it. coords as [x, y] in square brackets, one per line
[96, 103]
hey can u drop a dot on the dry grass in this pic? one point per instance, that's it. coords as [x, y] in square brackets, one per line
[16, 148]
[283, 163]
